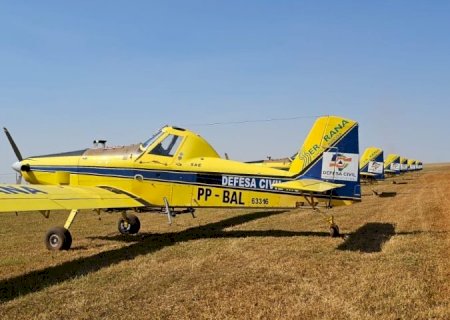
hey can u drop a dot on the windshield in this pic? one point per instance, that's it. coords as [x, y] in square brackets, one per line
[167, 147]
[151, 140]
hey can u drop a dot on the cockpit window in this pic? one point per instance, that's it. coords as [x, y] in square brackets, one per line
[151, 140]
[167, 147]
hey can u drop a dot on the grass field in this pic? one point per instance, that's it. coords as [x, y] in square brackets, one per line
[394, 262]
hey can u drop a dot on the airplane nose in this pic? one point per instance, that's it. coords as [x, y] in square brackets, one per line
[17, 166]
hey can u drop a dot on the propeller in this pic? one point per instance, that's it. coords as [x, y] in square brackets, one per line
[13, 145]
[16, 166]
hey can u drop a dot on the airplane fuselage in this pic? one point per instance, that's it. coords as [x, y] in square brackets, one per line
[184, 178]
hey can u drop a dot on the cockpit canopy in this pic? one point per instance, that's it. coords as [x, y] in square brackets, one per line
[173, 141]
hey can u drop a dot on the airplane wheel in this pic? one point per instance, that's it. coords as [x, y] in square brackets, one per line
[58, 238]
[334, 231]
[131, 226]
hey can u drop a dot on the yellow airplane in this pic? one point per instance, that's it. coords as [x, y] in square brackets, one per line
[392, 164]
[403, 164]
[371, 164]
[414, 165]
[419, 165]
[411, 165]
[177, 171]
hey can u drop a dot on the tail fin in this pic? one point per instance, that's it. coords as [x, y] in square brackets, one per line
[372, 163]
[331, 153]
[403, 164]
[392, 163]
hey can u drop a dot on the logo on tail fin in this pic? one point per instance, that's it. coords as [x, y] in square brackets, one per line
[375, 167]
[340, 161]
[340, 166]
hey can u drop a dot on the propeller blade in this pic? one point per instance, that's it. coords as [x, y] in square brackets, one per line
[13, 145]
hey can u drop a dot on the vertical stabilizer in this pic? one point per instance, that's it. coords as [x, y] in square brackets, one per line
[372, 163]
[392, 164]
[403, 164]
[331, 153]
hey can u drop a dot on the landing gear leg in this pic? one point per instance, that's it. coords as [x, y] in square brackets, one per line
[59, 238]
[334, 229]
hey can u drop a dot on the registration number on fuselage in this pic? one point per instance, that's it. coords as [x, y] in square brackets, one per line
[225, 196]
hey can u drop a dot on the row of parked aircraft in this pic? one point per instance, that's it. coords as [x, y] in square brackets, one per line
[372, 164]
[176, 171]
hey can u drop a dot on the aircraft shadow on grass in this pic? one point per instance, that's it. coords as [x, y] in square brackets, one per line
[145, 244]
[369, 238]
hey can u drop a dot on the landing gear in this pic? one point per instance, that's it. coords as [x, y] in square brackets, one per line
[58, 238]
[334, 231]
[129, 224]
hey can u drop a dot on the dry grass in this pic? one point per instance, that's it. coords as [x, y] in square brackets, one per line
[241, 264]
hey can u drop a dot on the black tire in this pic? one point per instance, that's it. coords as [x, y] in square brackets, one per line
[334, 231]
[68, 242]
[58, 238]
[131, 226]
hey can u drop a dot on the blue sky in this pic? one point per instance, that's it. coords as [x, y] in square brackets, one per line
[74, 71]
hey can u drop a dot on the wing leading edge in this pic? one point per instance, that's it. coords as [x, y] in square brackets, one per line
[14, 197]
[309, 185]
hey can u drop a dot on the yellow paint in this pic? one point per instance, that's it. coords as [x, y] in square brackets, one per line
[390, 159]
[369, 155]
[325, 133]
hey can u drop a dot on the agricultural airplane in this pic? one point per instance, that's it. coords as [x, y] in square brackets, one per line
[411, 165]
[176, 171]
[403, 164]
[371, 165]
[392, 164]
[414, 165]
[419, 165]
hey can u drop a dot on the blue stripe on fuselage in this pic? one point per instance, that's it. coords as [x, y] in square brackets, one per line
[240, 182]
[215, 179]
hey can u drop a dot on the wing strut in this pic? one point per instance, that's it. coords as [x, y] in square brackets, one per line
[311, 201]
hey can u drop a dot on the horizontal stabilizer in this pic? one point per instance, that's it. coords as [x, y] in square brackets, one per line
[51, 197]
[368, 174]
[310, 185]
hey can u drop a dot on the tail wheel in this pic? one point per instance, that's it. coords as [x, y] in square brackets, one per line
[58, 238]
[131, 225]
[334, 231]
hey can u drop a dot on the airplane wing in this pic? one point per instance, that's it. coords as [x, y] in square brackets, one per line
[311, 185]
[367, 174]
[51, 197]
